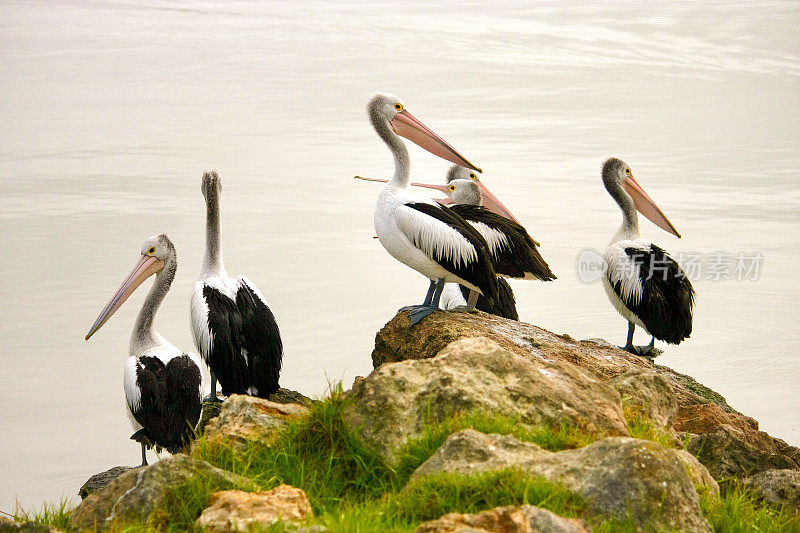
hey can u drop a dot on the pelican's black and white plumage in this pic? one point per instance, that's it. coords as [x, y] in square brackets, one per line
[233, 328]
[163, 385]
[645, 284]
[513, 252]
[417, 231]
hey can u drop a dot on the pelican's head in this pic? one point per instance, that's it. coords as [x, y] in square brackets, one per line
[464, 191]
[622, 186]
[157, 251]
[457, 172]
[388, 115]
[211, 185]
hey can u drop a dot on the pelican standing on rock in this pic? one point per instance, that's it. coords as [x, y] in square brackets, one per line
[233, 328]
[163, 385]
[417, 231]
[513, 252]
[645, 284]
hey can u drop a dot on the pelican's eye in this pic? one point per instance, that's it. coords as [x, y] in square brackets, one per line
[628, 171]
[152, 250]
[472, 176]
[452, 188]
[398, 106]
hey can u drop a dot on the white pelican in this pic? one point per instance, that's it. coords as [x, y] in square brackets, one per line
[644, 283]
[232, 326]
[163, 385]
[513, 252]
[417, 231]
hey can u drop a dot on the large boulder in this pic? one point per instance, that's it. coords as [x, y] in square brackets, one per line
[511, 519]
[392, 403]
[235, 510]
[617, 476]
[100, 480]
[726, 441]
[730, 444]
[777, 487]
[245, 419]
[132, 495]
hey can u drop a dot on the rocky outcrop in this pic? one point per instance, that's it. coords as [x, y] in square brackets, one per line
[391, 404]
[777, 487]
[617, 476]
[522, 519]
[727, 442]
[247, 418]
[98, 481]
[234, 510]
[134, 494]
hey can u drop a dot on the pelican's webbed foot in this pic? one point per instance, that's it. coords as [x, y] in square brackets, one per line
[419, 313]
[213, 398]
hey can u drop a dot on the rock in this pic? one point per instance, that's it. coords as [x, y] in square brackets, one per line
[777, 487]
[247, 418]
[729, 445]
[727, 442]
[649, 393]
[10, 526]
[522, 519]
[701, 478]
[234, 510]
[390, 405]
[98, 481]
[617, 476]
[212, 409]
[289, 396]
[135, 493]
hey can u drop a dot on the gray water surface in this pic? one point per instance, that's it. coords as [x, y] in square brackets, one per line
[111, 111]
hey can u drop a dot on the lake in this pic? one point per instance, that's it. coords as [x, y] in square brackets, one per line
[111, 111]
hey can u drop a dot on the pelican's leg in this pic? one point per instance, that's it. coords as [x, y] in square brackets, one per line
[213, 396]
[421, 311]
[144, 456]
[426, 303]
[471, 302]
[644, 351]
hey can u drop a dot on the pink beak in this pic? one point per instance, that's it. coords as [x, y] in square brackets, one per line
[406, 125]
[646, 206]
[146, 267]
[490, 201]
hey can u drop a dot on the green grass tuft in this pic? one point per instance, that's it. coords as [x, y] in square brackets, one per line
[739, 511]
[52, 515]
[640, 426]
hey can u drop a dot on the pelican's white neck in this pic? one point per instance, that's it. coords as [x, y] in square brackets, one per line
[144, 335]
[212, 261]
[629, 229]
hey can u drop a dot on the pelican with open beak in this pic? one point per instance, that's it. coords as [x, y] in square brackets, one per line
[163, 385]
[417, 231]
[645, 284]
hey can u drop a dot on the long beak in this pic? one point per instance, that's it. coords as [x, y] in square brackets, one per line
[146, 267]
[490, 201]
[442, 188]
[494, 205]
[646, 206]
[412, 129]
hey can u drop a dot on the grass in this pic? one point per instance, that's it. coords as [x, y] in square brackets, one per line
[739, 511]
[54, 515]
[352, 489]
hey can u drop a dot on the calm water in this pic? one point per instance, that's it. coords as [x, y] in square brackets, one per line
[110, 112]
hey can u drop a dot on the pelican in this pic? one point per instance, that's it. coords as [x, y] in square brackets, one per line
[417, 231]
[645, 285]
[163, 384]
[232, 326]
[513, 252]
